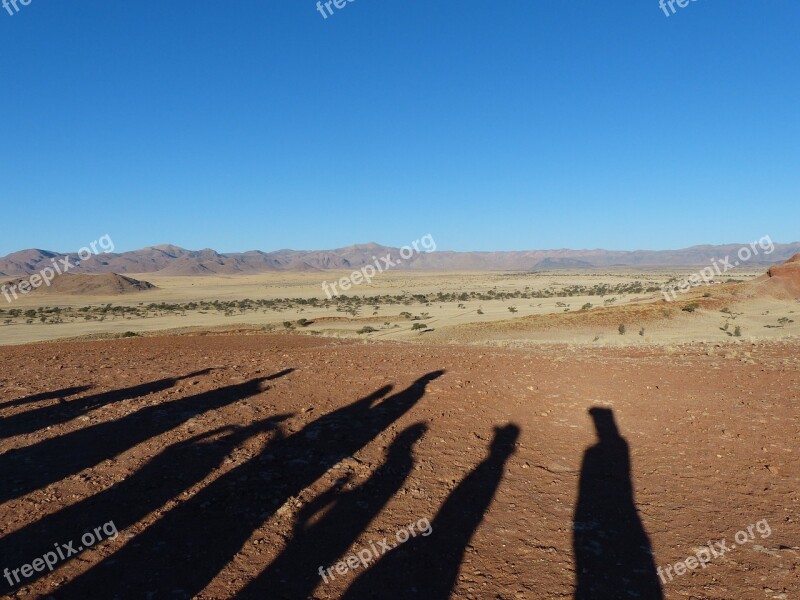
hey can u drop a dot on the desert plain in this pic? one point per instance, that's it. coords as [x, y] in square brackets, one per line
[566, 434]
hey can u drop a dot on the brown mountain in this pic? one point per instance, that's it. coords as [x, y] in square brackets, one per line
[173, 260]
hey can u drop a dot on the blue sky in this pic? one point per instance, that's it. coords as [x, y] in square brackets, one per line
[521, 124]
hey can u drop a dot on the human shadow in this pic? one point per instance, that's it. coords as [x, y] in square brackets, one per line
[33, 467]
[173, 471]
[60, 394]
[296, 572]
[613, 555]
[210, 528]
[54, 414]
[427, 566]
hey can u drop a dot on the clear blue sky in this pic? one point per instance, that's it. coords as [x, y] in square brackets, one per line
[516, 124]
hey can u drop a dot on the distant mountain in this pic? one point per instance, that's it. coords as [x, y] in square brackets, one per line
[173, 260]
[82, 284]
[561, 262]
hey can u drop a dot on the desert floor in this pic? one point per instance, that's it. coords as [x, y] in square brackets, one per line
[482, 319]
[241, 464]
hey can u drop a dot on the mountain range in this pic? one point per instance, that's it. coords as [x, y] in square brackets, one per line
[173, 260]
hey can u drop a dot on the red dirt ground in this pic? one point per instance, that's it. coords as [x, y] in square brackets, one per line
[237, 465]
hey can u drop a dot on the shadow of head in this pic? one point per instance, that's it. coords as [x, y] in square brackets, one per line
[505, 438]
[604, 423]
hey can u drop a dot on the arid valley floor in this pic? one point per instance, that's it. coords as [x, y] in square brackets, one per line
[240, 446]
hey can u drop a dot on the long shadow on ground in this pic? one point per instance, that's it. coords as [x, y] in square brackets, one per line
[163, 478]
[295, 573]
[60, 394]
[36, 466]
[180, 554]
[47, 416]
[427, 566]
[613, 555]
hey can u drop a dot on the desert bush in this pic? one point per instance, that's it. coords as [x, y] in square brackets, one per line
[621, 329]
[366, 329]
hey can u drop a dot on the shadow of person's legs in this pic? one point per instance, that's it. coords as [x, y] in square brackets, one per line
[613, 556]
